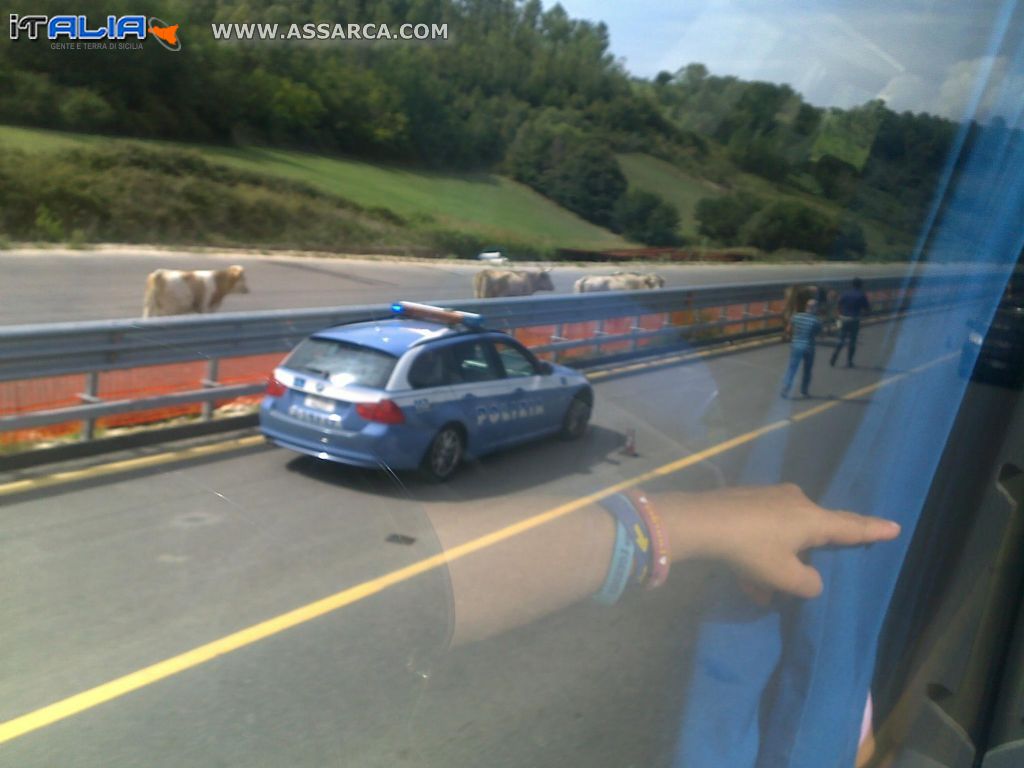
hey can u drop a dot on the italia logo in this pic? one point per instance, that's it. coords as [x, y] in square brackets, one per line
[79, 29]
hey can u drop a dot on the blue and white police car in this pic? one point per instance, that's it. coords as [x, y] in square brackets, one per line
[425, 389]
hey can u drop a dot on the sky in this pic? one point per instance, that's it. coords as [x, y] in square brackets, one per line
[956, 58]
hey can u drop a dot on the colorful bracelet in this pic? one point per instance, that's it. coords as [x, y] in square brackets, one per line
[620, 569]
[626, 513]
[661, 558]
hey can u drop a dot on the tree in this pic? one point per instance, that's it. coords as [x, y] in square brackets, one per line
[563, 161]
[646, 218]
[788, 224]
[721, 218]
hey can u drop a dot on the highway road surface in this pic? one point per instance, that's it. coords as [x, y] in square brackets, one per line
[42, 286]
[118, 577]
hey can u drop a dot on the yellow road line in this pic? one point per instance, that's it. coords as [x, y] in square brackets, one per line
[126, 465]
[121, 686]
[237, 640]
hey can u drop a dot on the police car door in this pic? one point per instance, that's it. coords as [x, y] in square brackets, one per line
[533, 397]
[477, 384]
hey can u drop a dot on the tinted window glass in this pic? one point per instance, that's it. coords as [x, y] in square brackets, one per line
[429, 369]
[471, 362]
[343, 364]
[517, 364]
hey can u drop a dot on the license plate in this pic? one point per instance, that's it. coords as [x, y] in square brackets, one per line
[319, 403]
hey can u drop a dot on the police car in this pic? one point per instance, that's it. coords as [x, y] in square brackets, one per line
[424, 389]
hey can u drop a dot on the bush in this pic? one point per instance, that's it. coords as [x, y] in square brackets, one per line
[139, 194]
[47, 225]
[788, 224]
[722, 218]
[82, 110]
[569, 165]
[850, 242]
[646, 218]
[759, 156]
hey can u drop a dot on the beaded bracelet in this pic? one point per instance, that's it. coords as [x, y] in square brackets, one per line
[661, 559]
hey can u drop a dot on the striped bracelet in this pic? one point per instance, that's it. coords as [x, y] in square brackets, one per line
[625, 512]
[619, 570]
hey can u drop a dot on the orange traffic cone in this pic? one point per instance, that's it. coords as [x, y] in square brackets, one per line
[629, 449]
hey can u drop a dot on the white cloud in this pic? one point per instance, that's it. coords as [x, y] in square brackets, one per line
[986, 81]
[909, 91]
[971, 88]
[919, 55]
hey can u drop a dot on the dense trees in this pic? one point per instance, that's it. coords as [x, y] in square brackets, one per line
[515, 86]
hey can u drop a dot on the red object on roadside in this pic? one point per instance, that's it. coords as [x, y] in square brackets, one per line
[629, 449]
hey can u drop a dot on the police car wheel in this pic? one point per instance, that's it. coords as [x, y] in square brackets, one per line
[576, 419]
[445, 454]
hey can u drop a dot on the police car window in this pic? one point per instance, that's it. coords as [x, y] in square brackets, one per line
[515, 362]
[343, 364]
[472, 362]
[430, 369]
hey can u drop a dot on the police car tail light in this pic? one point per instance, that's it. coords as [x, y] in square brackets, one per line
[385, 412]
[436, 314]
[275, 388]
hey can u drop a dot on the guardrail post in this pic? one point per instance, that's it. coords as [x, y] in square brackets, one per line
[746, 316]
[635, 344]
[212, 372]
[559, 336]
[92, 380]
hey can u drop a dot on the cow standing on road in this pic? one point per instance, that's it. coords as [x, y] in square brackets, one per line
[495, 283]
[180, 292]
[619, 281]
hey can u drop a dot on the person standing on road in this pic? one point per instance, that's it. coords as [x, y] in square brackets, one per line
[853, 303]
[804, 327]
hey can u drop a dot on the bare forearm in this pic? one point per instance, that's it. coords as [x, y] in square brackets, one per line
[522, 577]
[528, 575]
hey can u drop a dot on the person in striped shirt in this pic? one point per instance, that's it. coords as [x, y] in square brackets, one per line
[804, 327]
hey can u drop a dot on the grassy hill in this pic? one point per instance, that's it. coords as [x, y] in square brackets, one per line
[683, 188]
[676, 186]
[487, 207]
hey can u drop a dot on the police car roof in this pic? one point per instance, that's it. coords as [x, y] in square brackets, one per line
[394, 335]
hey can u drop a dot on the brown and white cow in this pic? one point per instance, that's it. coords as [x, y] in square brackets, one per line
[494, 283]
[180, 292]
[619, 281]
[795, 300]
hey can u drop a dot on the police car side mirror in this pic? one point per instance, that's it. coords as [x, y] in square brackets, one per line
[546, 369]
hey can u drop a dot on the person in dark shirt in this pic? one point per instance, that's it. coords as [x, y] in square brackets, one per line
[853, 304]
[805, 326]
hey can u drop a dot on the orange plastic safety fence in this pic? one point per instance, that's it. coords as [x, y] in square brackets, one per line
[63, 391]
[148, 381]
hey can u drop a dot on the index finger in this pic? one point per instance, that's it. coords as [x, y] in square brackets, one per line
[848, 529]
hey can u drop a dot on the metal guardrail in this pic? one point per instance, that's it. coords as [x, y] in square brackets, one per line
[55, 349]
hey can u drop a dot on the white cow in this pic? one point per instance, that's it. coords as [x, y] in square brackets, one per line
[494, 283]
[619, 281]
[179, 292]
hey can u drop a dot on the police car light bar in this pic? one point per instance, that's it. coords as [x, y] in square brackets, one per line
[417, 311]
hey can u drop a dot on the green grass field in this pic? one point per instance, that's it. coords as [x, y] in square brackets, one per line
[676, 186]
[486, 205]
